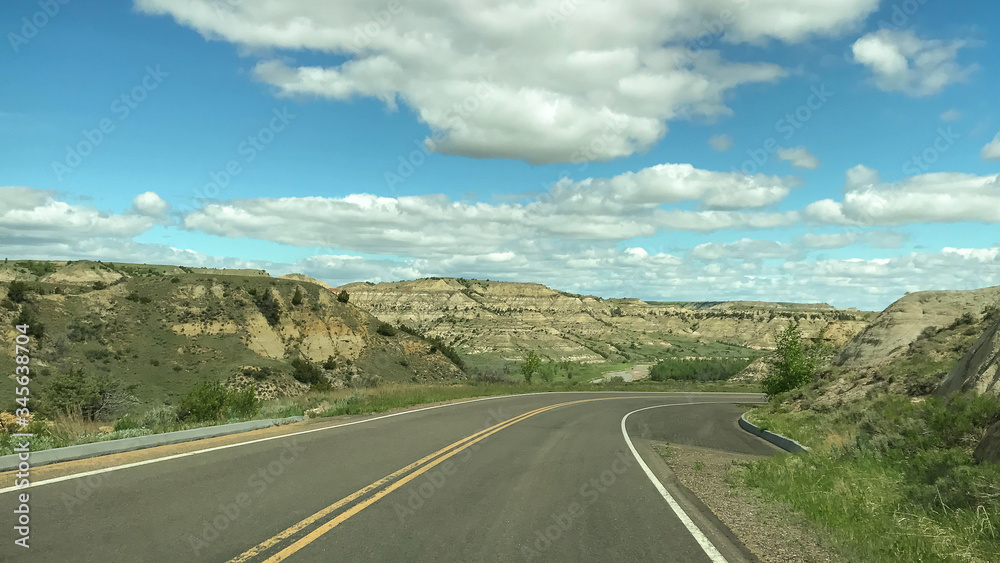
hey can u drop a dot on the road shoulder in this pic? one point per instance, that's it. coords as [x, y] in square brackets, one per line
[770, 531]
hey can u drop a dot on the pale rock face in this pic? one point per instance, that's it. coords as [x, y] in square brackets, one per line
[511, 318]
[979, 368]
[989, 447]
[901, 323]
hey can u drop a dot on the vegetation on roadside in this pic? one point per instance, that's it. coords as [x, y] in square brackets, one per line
[794, 362]
[892, 478]
[711, 369]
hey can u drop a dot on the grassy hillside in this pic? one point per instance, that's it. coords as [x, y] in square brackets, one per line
[156, 331]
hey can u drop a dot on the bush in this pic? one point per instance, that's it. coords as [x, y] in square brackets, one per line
[27, 316]
[297, 298]
[343, 297]
[99, 285]
[209, 401]
[714, 369]
[306, 372]
[330, 363]
[386, 329]
[91, 397]
[269, 307]
[17, 291]
[929, 332]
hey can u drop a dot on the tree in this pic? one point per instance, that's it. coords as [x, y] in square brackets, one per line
[793, 363]
[530, 366]
[343, 296]
[297, 298]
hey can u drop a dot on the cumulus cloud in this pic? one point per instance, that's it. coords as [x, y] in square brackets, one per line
[150, 204]
[36, 216]
[541, 81]
[992, 149]
[799, 157]
[903, 62]
[721, 143]
[927, 198]
[596, 209]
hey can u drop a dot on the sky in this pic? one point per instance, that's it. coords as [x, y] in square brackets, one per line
[837, 151]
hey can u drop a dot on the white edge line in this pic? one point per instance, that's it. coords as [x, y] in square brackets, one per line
[366, 420]
[699, 536]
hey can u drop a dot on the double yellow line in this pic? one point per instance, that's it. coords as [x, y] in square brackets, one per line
[394, 481]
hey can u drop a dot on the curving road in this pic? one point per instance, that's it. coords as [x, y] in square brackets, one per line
[546, 477]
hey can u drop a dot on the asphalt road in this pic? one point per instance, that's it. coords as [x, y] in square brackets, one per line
[549, 477]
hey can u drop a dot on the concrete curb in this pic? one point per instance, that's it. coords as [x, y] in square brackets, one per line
[782, 442]
[81, 451]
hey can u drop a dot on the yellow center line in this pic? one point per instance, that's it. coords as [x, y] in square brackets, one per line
[464, 442]
[315, 534]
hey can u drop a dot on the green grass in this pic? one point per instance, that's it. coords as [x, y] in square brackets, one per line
[888, 478]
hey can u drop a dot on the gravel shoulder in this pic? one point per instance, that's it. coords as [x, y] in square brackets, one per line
[771, 531]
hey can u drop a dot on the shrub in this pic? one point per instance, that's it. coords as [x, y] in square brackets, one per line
[258, 373]
[343, 296]
[175, 279]
[209, 401]
[17, 291]
[205, 401]
[99, 285]
[306, 372]
[714, 369]
[133, 296]
[27, 316]
[330, 363]
[547, 372]
[269, 307]
[243, 404]
[616, 379]
[90, 397]
[386, 329]
[297, 298]
[929, 332]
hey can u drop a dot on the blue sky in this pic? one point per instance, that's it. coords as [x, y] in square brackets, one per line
[383, 141]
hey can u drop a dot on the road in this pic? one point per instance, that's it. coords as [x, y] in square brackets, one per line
[546, 477]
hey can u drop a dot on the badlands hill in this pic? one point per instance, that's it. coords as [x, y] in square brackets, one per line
[161, 329]
[504, 320]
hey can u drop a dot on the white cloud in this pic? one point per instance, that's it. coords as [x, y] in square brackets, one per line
[951, 115]
[721, 143]
[744, 249]
[150, 204]
[595, 209]
[799, 157]
[992, 149]
[903, 62]
[542, 81]
[926, 198]
[28, 214]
